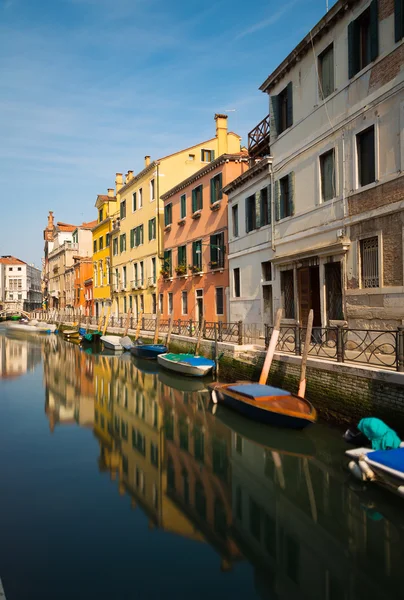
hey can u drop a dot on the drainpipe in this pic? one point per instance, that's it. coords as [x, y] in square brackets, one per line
[344, 203]
[271, 174]
[158, 213]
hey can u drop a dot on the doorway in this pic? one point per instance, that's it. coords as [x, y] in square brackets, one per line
[267, 313]
[199, 305]
[309, 295]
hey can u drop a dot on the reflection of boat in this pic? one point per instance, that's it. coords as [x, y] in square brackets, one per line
[266, 404]
[180, 383]
[186, 364]
[22, 328]
[70, 334]
[385, 467]
[295, 443]
[126, 342]
[146, 366]
[147, 351]
[111, 342]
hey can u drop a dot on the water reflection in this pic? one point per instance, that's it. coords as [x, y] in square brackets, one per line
[278, 501]
[16, 358]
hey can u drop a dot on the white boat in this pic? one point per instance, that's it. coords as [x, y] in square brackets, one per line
[22, 328]
[112, 342]
[126, 342]
[51, 327]
[186, 364]
[384, 467]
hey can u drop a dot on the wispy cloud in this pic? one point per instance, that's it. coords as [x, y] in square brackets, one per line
[274, 18]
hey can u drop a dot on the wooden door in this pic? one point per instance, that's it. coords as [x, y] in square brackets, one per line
[303, 278]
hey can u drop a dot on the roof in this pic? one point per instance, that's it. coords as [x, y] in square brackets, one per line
[11, 260]
[250, 174]
[106, 198]
[335, 13]
[66, 227]
[223, 158]
[88, 225]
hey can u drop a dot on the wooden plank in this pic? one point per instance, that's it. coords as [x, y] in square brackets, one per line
[156, 331]
[271, 348]
[138, 324]
[198, 342]
[302, 382]
[106, 320]
[170, 328]
[125, 333]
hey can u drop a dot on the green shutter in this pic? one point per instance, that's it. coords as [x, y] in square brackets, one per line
[374, 30]
[220, 177]
[141, 234]
[212, 191]
[183, 205]
[274, 117]
[194, 200]
[269, 204]
[213, 249]
[194, 254]
[353, 49]
[291, 195]
[257, 210]
[150, 229]
[398, 20]
[277, 201]
[132, 238]
[212, 154]
[166, 215]
[289, 117]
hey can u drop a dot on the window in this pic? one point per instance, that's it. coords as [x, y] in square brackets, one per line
[135, 273]
[182, 256]
[124, 278]
[236, 282]
[154, 454]
[191, 156]
[107, 240]
[365, 144]
[219, 301]
[140, 198]
[161, 303]
[284, 197]
[10, 268]
[115, 246]
[95, 274]
[167, 266]
[101, 273]
[100, 215]
[288, 293]
[234, 215]
[250, 213]
[141, 273]
[136, 236]
[101, 242]
[197, 198]
[197, 254]
[170, 303]
[152, 229]
[168, 214]
[107, 269]
[183, 206]
[263, 214]
[184, 303]
[95, 246]
[266, 268]
[327, 173]
[134, 202]
[132, 237]
[154, 304]
[363, 39]
[398, 20]
[326, 72]
[122, 209]
[152, 191]
[217, 251]
[142, 303]
[116, 279]
[122, 242]
[207, 155]
[369, 255]
[282, 111]
[216, 193]
[153, 265]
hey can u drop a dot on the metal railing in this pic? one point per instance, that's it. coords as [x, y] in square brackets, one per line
[258, 138]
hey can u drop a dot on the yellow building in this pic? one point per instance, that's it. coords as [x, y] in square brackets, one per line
[136, 237]
[107, 207]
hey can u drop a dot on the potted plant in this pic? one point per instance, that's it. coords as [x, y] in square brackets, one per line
[213, 264]
[181, 269]
[165, 270]
[195, 268]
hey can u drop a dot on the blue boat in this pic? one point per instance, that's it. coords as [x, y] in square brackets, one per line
[384, 467]
[266, 404]
[147, 351]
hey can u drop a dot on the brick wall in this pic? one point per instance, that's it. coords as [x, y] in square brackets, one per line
[380, 195]
[387, 69]
[386, 8]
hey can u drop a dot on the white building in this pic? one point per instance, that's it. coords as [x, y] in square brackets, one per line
[337, 185]
[20, 285]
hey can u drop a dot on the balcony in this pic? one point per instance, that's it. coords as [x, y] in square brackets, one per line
[152, 281]
[137, 284]
[116, 224]
[258, 139]
[217, 264]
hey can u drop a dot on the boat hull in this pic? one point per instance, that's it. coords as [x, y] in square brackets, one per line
[184, 368]
[111, 342]
[148, 351]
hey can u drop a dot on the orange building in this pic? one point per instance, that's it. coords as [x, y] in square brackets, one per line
[83, 271]
[194, 276]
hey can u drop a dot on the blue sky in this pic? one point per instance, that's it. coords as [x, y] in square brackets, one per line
[89, 87]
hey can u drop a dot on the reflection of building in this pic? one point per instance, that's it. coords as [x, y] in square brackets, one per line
[68, 378]
[16, 357]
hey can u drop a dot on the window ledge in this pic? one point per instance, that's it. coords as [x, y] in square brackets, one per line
[167, 227]
[216, 205]
[181, 221]
[364, 188]
[196, 214]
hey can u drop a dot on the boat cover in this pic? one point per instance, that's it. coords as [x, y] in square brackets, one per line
[393, 459]
[190, 359]
[381, 436]
[256, 390]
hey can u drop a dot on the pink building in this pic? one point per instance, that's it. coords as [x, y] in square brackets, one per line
[194, 279]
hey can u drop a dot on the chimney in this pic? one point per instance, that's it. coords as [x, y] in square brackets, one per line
[147, 161]
[118, 181]
[50, 220]
[129, 176]
[111, 192]
[221, 134]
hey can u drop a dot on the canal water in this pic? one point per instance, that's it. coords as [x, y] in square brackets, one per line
[118, 482]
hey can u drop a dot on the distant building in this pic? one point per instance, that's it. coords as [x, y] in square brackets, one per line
[20, 284]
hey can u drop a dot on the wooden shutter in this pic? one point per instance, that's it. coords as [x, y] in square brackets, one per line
[213, 250]
[141, 234]
[274, 117]
[291, 195]
[150, 229]
[289, 117]
[194, 200]
[212, 155]
[212, 190]
[398, 20]
[353, 49]
[374, 30]
[257, 210]
[183, 206]
[194, 254]
[220, 185]
[277, 201]
[269, 204]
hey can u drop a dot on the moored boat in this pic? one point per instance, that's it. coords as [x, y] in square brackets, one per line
[147, 351]
[126, 342]
[384, 467]
[69, 334]
[186, 364]
[265, 403]
[112, 342]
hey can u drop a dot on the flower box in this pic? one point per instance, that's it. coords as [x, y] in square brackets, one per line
[216, 205]
[181, 221]
[167, 227]
[196, 214]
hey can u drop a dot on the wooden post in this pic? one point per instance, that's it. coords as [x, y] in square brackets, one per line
[302, 382]
[271, 348]
[100, 319]
[198, 343]
[139, 320]
[106, 320]
[216, 351]
[127, 322]
[170, 328]
[156, 331]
